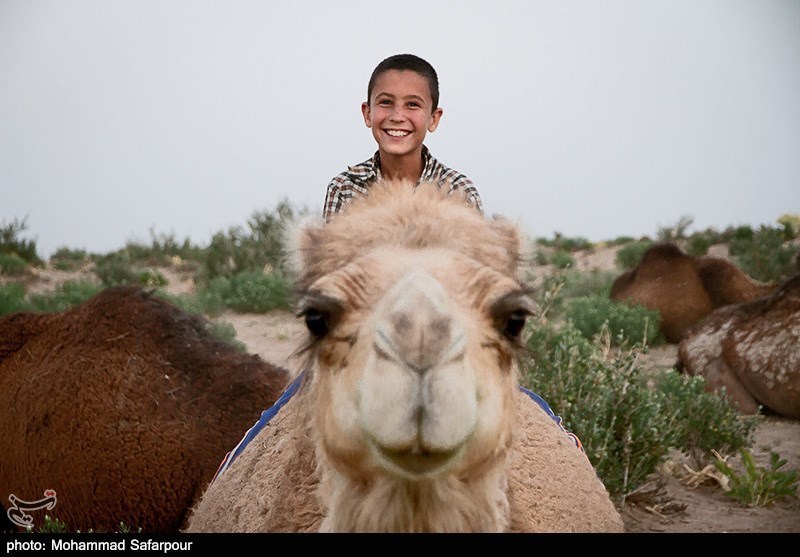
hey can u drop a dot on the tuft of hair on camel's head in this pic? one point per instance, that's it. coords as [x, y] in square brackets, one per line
[410, 417]
[414, 311]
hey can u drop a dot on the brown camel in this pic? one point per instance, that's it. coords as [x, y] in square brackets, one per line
[684, 288]
[124, 406]
[752, 349]
[410, 417]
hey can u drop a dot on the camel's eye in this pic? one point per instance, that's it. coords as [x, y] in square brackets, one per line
[514, 324]
[317, 322]
[510, 313]
[320, 312]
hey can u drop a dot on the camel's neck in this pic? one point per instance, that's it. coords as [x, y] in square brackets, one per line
[388, 504]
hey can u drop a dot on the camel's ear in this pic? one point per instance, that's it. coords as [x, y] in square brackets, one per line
[302, 236]
[513, 243]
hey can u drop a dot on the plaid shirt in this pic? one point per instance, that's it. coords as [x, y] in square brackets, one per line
[355, 182]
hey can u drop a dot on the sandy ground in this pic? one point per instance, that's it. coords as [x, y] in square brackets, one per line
[674, 501]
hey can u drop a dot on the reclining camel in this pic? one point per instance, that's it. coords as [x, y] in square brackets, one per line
[409, 417]
[751, 349]
[124, 407]
[683, 288]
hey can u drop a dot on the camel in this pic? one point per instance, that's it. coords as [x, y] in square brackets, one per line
[409, 416]
[684, 288]
[751, 350]
[124, 406]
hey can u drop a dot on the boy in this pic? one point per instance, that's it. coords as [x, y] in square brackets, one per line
[402, 106]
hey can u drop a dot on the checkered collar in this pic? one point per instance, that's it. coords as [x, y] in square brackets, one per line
[370, 170]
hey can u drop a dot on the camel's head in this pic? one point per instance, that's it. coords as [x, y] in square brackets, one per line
[414, 314]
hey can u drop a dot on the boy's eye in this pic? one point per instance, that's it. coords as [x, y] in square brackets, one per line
[385, 102]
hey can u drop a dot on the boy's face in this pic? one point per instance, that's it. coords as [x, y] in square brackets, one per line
[400, 112]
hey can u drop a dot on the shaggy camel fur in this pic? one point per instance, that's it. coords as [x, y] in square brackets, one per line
[124, 406]
[410, 417]
[684, 288]
[751, 349]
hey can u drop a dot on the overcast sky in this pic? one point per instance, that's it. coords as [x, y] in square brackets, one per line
[592, 118]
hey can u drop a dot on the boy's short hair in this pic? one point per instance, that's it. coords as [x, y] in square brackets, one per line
[412, 63]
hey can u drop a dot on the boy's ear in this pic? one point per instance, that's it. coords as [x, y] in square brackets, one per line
[435, 117]
[365, 112]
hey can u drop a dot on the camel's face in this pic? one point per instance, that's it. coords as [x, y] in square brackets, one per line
[414, 366]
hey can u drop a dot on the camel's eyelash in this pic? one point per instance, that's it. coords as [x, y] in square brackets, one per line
[510, 313]
[321, 313]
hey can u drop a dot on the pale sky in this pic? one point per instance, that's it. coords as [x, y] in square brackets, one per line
[592, 118]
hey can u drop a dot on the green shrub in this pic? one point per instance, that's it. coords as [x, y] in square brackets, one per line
[591, 314]
[791, 225]
[588, 283]
[763, 254]
[12, 265]
[621, 423]
[698, 245]
[258, 293]
[258, 247]
[621, 240]
[563, 243]
[69, 294]
[152, 279]
[541, 258]
[558, 288]
[11, 242]
[161, 250]
[676, 232]
[703, 421]
[562, 259]
[628, 256]
[12, 298]
[115, 269]
[65, 259]
[759, 486]
[226, 332]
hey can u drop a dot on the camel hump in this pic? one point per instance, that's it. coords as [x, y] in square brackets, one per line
[663, 251]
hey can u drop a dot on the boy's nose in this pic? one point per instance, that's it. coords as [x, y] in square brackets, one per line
[397, 114]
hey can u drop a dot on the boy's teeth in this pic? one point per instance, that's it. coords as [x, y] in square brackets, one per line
[396, 133]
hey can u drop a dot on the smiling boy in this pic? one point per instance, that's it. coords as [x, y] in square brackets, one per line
[402, 107]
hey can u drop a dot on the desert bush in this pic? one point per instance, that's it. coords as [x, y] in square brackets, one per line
[675, 232]
[226, 332]
[12, 298]
[702, 421]
[12, 243]
[629, 255]
[564, 243]
[757, 486]
[541, 258]
[161, 250]
[559, 287]
[115, 269]
[258, 292]
[764, 255]
[65, 259]
[621, 241]
[605, 402]
[562, 259]
[627, 425]
[791, 224]
[67, 295]
[12, 265]
[151, 279]
[591, 314]
[588, 283]
[258, 247]
[697, 245]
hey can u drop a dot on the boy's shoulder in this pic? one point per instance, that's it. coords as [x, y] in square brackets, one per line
[357, 174]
